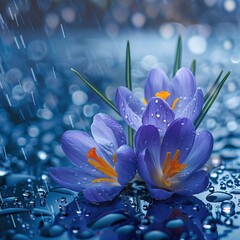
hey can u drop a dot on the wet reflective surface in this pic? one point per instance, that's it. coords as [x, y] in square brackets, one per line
[41, 98]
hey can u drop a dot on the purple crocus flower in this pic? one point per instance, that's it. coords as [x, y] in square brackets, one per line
[172, 164]
[178, 98]
[104, 163]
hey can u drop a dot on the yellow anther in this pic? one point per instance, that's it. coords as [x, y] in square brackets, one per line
[163, 95]
[175, 103]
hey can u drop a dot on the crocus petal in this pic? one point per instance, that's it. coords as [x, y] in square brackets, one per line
[159, 114]
[200, 153]
[76, 145]
[159, 193]
[180, 135]
[101, 192]
[107, 132]
[194, 184]
[193, 108]
[143, 169]
[156, 81]
[147, 137]
[183, 84]
[147, 142]
[73, 178]
[126, 164]
[129, 107]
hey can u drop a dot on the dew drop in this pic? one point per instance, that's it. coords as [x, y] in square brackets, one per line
[218, 197]
[228, 208]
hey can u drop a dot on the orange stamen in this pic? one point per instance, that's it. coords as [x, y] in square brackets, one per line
[114, 159]
[103, 180]
[93, 155]
[171, 168]
[101, 165]
[175, 103]
[107, 171]
[167, 162]
[163, 94]
[167, 183]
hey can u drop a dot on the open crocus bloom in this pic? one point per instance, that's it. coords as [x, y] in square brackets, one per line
[178, 98]
[104, 163]
[173, 164]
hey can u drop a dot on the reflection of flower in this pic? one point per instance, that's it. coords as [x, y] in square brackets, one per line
[106, 221]
[172, 165]
[165, 100]
[104, 163]
[180, 215]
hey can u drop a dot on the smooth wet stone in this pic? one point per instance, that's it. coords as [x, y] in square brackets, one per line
[175, 224]
[82, 234]
[20, 237]
[15, 179]
[37, 212]
[219, 197]
[63, 191]
[48, 230]
[7, 211]
[156, 235]
[108, 220]
[125, 229]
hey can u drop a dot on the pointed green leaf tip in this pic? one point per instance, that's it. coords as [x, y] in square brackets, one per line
[177, 63]
[211, 100]
[128, 80]
[128, 67]
[214, 85]
[193, 67]
[101, 95]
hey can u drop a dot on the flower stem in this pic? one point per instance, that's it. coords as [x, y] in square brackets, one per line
[101, 95]
[211, 100]
[178, 56]
[129, 86]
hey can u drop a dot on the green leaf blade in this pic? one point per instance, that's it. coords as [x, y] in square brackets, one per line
[128, 80]
[210, 91]
[211, 100]
[128, 68]
[91, 86]
[178, 56]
